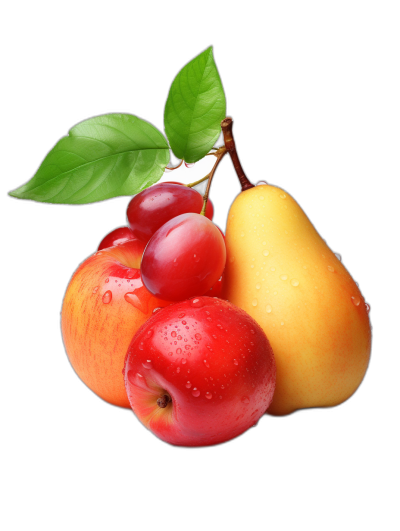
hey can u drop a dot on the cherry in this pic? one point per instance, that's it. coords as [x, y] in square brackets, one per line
[210, 209]
[184, 258]
[153, 207]
[116, 237]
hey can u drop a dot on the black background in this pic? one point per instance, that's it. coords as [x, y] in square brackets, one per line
[304, 111]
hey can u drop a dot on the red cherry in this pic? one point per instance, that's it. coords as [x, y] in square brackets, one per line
[116, 237]
[184, 258]
[153, 207]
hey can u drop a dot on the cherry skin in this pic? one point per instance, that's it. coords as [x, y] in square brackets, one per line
[184, 258]
[209, 206]
[153, 207]
[116, 237]
[199, 372]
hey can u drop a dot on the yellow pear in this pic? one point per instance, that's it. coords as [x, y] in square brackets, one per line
[283, 274]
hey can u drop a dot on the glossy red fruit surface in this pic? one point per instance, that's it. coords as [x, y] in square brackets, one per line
[184, 258]
[200, 372]
[116, 237]
[209, 206]
[153, 207]
[216, 290]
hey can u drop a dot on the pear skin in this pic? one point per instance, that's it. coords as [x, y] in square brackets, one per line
[281, 272]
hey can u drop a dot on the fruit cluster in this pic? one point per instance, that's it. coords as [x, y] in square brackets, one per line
[199, 369]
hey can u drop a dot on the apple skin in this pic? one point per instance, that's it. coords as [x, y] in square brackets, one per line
[212, 360]
[104, 305]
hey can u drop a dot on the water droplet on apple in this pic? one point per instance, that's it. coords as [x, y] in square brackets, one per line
[282, 196]
[265, 252]
[331, 269]
[235, 362]
[178, 370]
[188, 385]
[260, 183]
[131, 377]
[183, 361]
[294, 282]
[268, 308]
[179, 351]
[206, 364]
[208, 395]
[173, 334]
[283, 277]
[96, 289]
[196, 258]
[197, 336]
[107, 280]
[195, 392]
[133, 273]
[140, 304]
[147, 364]
[197, 303]
[258, 285]
[107, 297]
[367, 307]
[254, 302]
[355, 300]
[245, 400]
[156, 310]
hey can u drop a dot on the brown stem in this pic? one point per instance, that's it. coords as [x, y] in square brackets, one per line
[220, 155]
[175, 167]
[163, 401]
[226, 126]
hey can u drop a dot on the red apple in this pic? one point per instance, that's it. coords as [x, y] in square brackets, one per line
[116, 237]
[200, 372]
[103, 307]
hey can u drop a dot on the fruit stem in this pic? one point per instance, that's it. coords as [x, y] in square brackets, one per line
[175, 167]
[197, 182]
[226, 126]
[163, 401]
[220, 153]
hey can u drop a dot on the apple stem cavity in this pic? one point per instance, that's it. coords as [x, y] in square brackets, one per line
[163, 401]
[230, 146]
[220, 153]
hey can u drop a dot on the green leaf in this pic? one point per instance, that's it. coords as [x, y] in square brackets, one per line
[195, 108]
[103, 157]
